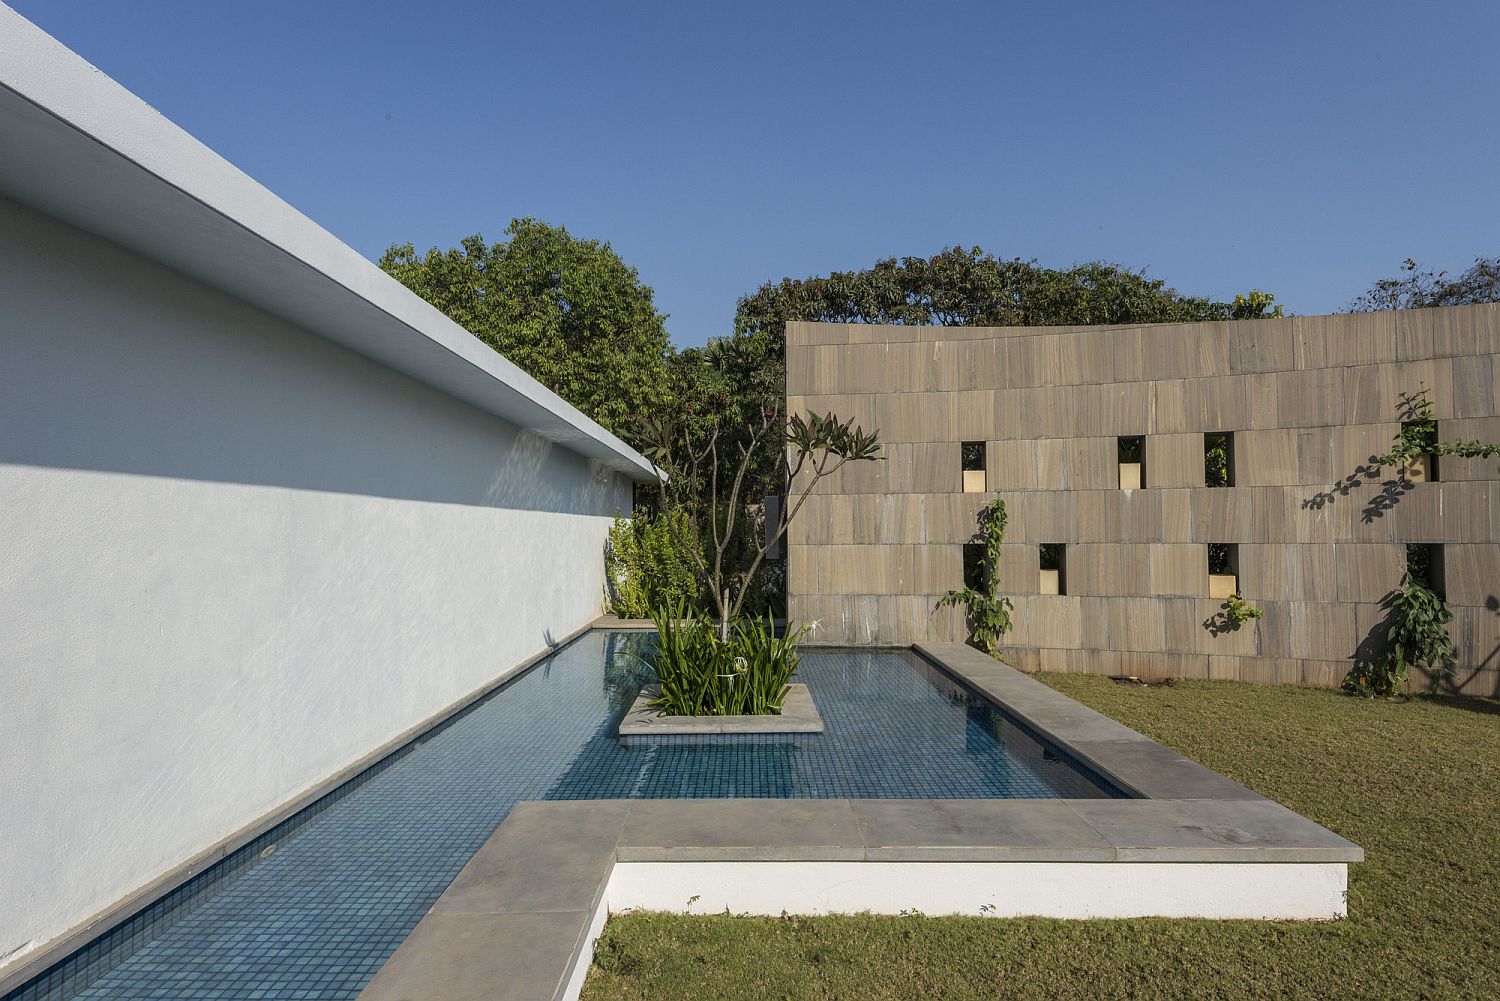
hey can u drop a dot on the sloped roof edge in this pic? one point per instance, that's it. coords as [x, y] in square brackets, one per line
[81, 148]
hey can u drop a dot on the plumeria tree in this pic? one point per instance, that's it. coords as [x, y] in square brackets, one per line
[695, 460]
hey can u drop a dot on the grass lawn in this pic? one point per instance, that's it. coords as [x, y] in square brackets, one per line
[1414, 784]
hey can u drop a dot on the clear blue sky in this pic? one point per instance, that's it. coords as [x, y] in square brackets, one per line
[1305, 148]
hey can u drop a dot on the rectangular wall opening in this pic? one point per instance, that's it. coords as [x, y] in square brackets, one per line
[1218, 459]
[1054, 579]
[1223, 569]
[974, 566]
[1131, 453]
[1424, 561]
[1423, 468]
[971, 456]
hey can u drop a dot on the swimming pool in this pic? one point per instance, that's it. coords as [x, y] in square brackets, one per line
[313, 908]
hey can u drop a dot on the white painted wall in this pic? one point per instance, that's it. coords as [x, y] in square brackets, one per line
[1293, 891]
[1313, 891]
[234, 558]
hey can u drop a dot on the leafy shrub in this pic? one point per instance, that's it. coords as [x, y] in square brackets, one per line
[1235, 612]
[988, 611]
[690, 477]
[1239, 611]
[647, 568]
[1417, 637]
[703, 675]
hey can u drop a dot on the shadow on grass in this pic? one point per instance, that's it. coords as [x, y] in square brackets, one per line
[1469, 703]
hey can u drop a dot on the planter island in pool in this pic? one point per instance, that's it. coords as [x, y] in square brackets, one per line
[1160, 836]
[798, 715]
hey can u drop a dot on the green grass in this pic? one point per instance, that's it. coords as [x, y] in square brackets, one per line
[1414, 783]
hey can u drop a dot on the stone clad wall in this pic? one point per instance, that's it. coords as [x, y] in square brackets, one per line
[1308, 399]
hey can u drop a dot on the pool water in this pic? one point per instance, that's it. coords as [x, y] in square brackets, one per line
[314, 907]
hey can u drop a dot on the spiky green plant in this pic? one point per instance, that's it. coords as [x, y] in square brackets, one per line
[701, 674]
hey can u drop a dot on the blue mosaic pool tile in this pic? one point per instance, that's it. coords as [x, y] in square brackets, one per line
[314, 907]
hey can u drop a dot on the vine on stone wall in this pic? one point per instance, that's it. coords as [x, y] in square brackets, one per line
[988, 611]
[1416, 636]
[1418, 435]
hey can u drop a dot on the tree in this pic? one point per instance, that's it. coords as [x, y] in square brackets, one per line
[695, 458]
[960, 286]
[724, 389]
[567, 310]
[968, 287]
[1420, 289]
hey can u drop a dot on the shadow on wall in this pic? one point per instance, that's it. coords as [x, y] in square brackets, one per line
[1491, 659]
[115, 364]
[1418, 438]
[1372, 650]
[1390, 494]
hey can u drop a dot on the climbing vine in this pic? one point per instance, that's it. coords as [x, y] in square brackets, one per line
[1417, 636]
[988, 611]
[1418, 435]
[1235, 612]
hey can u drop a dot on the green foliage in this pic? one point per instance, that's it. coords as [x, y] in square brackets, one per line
[1216, 460]
[1417, 636]
[647, 567]
[1239, 611]
[968, 287]
[988, 611]
[959, 286]
[1255, 306]
[724, 390]
[765, 593]
[1419, 563]
[1235, 612]
[1418, 435]
[697, 457]
[1377, 678]
[568, 311]
[1417, 438]
[704, 673]
[1419, 289]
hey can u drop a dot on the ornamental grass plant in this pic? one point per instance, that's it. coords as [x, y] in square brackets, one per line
[704, 674]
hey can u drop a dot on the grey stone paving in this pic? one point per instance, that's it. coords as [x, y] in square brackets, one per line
[515, 921]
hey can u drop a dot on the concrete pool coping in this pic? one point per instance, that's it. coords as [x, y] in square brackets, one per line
[16, 972]
[798, 715]
[520, 920]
